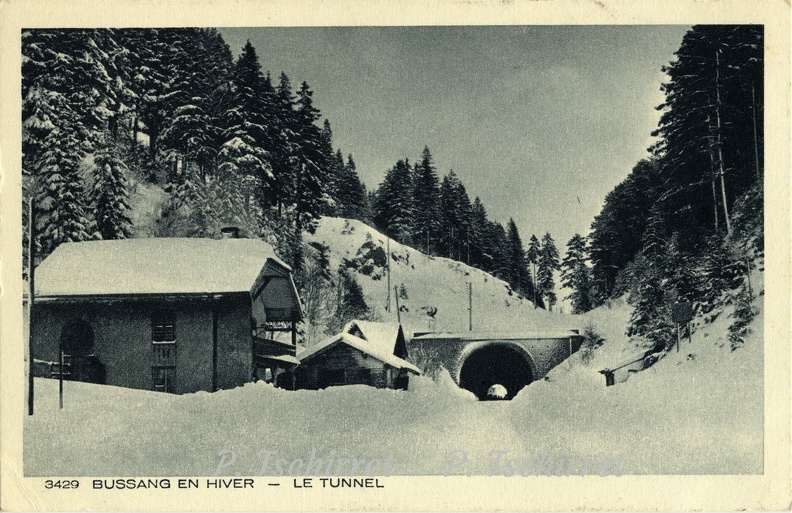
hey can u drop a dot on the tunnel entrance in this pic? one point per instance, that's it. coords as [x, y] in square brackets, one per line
[495, 364]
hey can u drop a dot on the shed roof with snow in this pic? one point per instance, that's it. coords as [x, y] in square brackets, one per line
[159, 266]
[364, 346]
[388, 337]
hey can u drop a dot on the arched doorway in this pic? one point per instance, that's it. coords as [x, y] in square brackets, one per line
[495, 364]
[77, 344]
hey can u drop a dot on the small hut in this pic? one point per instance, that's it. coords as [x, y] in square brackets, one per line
[350, 359]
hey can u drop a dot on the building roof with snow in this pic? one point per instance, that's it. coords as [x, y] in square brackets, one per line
[364, 346]
[154, 266]
[387, 336]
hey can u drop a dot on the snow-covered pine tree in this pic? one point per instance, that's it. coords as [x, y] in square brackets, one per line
[60, 205]
[498, 244]
[532, 256]
[548, 264]
[711, 122]
[285, 144]
[335, 170]
[110, 196]
[249, 129]
[479, 254]
[427, 211]
[575, 274]
[519, 278]
[393, 203]
[355, 196]
[454, 238]
[312, 163]
[188, 212]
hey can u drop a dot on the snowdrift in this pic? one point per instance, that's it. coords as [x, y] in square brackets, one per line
[663, 420]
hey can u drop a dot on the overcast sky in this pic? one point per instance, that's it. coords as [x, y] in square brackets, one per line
[540, 122]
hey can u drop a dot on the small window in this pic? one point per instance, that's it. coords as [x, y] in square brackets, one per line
[162, 328]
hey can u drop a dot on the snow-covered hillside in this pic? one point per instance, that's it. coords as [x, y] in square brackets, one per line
[429, 285]
[663, 420]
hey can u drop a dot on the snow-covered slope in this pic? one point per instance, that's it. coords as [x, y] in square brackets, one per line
[431, 285]
[146, 201]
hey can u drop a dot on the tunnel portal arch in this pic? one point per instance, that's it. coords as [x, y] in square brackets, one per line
[495, 364]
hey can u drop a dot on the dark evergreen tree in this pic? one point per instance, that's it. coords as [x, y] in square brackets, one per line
[548, 264]
[393, 203]
[110, 197]
[498, 244]
[61, 215]
[711, 131]
[519, 277]
[249, 129]
[575, 274]
[311, 164]
[335, 170]
[427, 212]
[616, 233]
[532, 257]
[479, 255]
[355, 197]
[455, 215]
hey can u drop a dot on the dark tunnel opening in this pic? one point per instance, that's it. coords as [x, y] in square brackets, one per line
[495, 364]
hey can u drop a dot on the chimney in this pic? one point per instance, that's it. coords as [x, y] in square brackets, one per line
[230, 232]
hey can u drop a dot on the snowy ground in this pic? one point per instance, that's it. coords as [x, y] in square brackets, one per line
[695, 412]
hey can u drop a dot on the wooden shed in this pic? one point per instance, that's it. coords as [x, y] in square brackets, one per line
[345, 359]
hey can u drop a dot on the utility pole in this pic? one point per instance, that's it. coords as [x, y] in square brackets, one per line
[720, 142]
[31, 293]
[398, 308]
[470, 306]
[388, 302]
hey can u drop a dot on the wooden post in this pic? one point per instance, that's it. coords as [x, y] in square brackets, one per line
[678, 337]
[31, 294]
[690, 333]
[750, 289]
[60, 377]
[214, 344]
[294, 332]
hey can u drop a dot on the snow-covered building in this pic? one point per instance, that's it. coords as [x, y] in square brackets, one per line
[364, 353]
[388, 336]
[171, 314]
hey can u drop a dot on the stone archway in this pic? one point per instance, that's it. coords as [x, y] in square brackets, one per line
[495, 364]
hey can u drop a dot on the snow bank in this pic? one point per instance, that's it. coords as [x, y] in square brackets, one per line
[696, 412]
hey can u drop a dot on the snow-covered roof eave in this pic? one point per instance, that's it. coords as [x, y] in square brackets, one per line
[153, 266]
[359, 344]
[473, 336]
